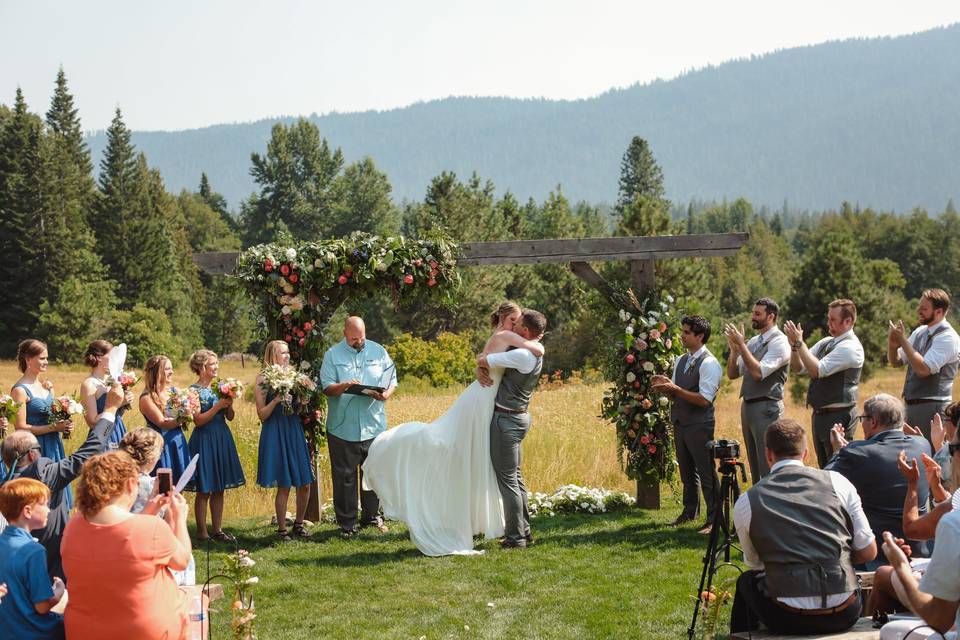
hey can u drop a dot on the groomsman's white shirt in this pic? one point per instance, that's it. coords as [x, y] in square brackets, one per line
[777, 355]
[944, 349]
[848, 354]
[520, 359]
[710, 373]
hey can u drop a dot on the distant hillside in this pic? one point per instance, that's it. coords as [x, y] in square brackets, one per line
[876, 122]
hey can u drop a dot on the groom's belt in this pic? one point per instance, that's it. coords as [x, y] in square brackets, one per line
[497, 407]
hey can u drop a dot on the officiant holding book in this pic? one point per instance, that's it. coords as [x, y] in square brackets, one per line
[358, 377]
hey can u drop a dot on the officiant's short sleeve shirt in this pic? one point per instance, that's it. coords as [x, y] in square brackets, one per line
[357, 418]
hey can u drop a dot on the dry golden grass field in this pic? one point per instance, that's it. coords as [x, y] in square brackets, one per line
[568, 443]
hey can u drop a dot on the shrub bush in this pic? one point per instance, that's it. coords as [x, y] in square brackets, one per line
[447, 360]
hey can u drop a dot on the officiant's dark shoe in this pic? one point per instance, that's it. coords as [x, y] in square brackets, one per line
[513, 544]
[706, 529]
[681, 519]
[347, 534]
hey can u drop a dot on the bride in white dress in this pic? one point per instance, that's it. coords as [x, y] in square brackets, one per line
[437, 477]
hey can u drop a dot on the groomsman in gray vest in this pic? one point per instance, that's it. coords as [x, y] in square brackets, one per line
[834, 365]
[696, 378]
[801, 530]
[510, 425]
[763, 363]
[931, 354]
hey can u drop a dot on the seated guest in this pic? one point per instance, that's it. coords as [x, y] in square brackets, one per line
[942, 431]
[871, 466]
[801, 530]
[118, 562]
[26, 613]
[21, 453]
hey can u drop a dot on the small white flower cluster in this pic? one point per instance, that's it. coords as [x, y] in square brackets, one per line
[571, 498]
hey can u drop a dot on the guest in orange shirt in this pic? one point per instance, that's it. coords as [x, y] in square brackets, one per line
[118, 562]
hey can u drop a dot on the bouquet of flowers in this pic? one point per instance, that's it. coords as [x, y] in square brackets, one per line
[64, 408]
[8, 409]
[227, 388]
[126, 379]
[182, 404]
[288, 383]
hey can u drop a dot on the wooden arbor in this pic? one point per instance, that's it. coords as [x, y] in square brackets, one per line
[641, 252]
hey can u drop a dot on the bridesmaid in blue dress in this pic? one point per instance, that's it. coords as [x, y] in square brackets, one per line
[218, 467]
[93, 390]
[158, 374]
[36, 400]
[283, 458]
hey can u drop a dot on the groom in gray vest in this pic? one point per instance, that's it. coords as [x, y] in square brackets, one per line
[834, 365]
[931, 354]
[801, 530]
[510, 425]
[763, 362]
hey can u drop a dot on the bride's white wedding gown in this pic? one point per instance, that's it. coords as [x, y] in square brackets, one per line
[438, 478]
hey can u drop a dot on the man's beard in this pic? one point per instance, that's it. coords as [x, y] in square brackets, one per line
[757, 324]
[925, 319]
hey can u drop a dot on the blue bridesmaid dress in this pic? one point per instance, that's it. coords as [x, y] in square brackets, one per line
[218, 467]
[283, 457]
[51, 445]
[119, 430]
[176, 451]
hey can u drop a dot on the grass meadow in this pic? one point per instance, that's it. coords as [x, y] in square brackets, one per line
[625, 574]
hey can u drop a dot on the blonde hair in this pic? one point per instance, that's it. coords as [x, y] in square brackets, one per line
[104, 477]
[29, 348]
[271, 350]
[506, 308]
[143, 445]
[151, 377]
[200, 358]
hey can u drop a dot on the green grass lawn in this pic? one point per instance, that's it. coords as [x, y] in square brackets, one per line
[622, 575]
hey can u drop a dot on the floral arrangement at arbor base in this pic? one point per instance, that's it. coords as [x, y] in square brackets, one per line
[650, 341]
[299, 288]
[238, 567]
[573, 499]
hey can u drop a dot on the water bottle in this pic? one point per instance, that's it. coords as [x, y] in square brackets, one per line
[197, 619]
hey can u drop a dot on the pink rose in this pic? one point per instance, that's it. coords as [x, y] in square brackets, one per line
[652, 449]
[646, 404]
[645, 439]
[654, 334]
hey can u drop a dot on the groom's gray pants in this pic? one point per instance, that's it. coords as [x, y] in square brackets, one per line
[507, 431]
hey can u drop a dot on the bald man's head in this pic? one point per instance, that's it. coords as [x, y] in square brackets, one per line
[355, 332]
[20, 443]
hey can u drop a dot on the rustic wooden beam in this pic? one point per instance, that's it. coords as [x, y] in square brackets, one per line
[560, 250]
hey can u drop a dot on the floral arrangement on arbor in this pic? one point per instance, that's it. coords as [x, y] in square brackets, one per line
[650, 341]
[300, 287]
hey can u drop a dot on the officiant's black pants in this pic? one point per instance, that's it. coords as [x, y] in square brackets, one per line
[345, 460]
[507, 431]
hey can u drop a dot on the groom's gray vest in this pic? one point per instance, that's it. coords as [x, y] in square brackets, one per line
[516, 388]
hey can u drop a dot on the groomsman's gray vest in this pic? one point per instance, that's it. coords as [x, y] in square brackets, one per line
[686, 413]
[837, 389]
[936, 386]
[802, 534]
[516, 388]
[769, 387]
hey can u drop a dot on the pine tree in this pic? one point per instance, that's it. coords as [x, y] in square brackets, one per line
[640, 177]
[366, 204]
[215, 201]
[63, 120]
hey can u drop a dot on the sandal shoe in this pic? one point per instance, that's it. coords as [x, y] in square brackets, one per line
[284, 535]
[223, 536]
[300, 531]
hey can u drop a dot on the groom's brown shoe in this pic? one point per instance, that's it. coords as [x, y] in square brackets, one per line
[513, 544]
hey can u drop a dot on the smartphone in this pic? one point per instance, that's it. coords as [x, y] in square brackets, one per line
[165, 478]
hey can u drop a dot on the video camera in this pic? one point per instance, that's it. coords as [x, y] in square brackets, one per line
[724, 449]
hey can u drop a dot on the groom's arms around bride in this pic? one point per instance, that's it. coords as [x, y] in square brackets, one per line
[523, 357]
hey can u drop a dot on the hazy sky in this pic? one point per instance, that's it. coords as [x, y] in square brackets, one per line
[180, 64]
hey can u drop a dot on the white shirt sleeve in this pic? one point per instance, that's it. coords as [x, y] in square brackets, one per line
[777, 355]
[942, 577]
[850, 499]
[676, 364]
[710, 374]
[107, 415]
[741, 521]
[944, 350]
[520, 359]
[848, 354]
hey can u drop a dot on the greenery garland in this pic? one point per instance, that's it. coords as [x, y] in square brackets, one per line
[299, 287]
[650, 343]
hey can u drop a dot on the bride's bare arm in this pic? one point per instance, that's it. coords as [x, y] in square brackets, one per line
[501, 340]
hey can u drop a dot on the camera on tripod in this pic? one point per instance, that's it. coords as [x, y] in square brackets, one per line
[724, 449]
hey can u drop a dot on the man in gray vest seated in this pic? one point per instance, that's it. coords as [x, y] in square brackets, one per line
[931, 354]
[871, 466]
[834, 364]
[696, 377]
[801, 530]
[510, 425]
[763, 363]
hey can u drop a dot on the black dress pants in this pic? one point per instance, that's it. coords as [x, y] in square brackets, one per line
[346, 457]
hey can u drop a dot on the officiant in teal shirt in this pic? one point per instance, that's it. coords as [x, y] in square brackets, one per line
[353, 421]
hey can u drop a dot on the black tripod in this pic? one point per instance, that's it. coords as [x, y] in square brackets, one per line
[728, 494]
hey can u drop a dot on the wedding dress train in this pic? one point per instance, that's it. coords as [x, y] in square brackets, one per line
[438, 478]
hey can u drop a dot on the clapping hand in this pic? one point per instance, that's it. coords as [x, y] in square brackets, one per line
[58, 588]
[912, 431]
[734, 335]
[793, 331]
[937, 432]
[897, 333]
[932, 469]
[908, 468]
[896, 550]
[838, 437]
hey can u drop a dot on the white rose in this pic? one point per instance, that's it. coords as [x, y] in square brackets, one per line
[629, 330]
[630, 376]
[663, 401]
[648, 367]
[317, 263]
[252, 581]
[291, 253]
[641, 336]
[285, 310]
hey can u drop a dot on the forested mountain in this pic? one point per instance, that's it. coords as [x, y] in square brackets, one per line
[867, 121]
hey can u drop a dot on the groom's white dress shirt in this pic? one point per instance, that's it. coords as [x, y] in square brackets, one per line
[520, 359]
